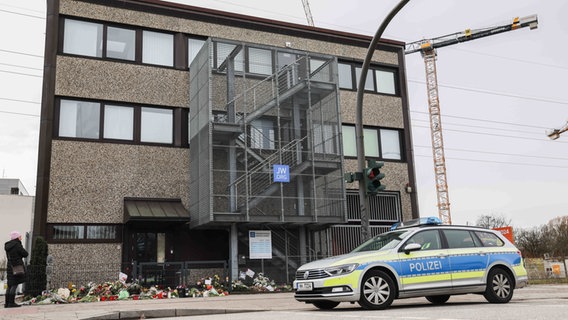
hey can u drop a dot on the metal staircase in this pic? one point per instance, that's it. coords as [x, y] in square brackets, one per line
[290, 117]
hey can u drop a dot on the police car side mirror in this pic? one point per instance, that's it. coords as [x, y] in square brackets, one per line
[412, 247]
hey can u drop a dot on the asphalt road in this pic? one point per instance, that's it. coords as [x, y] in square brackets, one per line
[533, 302]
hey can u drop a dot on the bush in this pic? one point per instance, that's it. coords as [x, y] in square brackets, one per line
[36, 274]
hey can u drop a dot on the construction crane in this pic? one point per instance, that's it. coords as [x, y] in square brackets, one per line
[428, 50]
[308, 12]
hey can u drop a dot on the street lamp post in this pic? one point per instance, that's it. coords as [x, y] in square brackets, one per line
[363, 201]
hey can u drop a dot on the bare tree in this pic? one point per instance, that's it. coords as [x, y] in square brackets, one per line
[557, 230]
[533, 242]
[492, 221]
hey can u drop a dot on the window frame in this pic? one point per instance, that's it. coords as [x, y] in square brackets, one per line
[372, 72]
[84, 227]
[344, 129]
[178, 49]
[180, 123]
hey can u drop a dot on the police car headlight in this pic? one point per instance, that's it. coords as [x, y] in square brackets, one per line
[341, 270]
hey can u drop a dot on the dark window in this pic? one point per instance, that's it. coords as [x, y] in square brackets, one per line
[15, 190]
[489, 239]
[428, 240]
[84, 233]
[459, 239]
[379, 79]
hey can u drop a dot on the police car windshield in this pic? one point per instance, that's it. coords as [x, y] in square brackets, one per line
[383, 241]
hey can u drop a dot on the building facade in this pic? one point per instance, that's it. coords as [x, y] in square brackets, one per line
[171, 135]
[16, 213]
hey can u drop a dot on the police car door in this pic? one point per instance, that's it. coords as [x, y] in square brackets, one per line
[468, 257]
[426, 266]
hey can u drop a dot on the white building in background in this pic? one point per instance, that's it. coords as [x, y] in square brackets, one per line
[16, 212]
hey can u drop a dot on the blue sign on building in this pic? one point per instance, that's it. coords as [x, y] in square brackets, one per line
[281, 173]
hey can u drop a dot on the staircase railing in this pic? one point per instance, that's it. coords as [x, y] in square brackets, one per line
[269, 88]
[259, 177]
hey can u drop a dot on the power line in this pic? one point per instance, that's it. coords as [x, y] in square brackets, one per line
[492, 134]
[21, 114]
[18, 100]
[484, 120]
[15, 7]
[496, 93]
[500, 162]
[22, 53]
[20, 66]
[21, 74]
[480, 127]
[497, 153]
[22, 14]
[509, 58]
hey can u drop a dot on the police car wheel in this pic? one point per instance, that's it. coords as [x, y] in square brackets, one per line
[499, 286]
[377, 290]
[325, 305]
[438, 299]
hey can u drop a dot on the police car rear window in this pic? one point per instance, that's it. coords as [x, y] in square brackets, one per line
[489, 239]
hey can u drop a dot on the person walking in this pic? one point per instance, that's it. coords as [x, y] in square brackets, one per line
[15, 253]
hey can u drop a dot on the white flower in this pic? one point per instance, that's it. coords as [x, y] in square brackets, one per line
[63, 293]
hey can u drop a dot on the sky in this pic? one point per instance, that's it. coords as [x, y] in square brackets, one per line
[498, 96]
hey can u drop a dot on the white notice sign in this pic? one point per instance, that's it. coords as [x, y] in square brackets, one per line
[260, 244]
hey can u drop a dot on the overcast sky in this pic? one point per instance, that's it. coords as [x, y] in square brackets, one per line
[498, 96]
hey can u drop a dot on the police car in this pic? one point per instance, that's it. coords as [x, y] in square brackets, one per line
[418, 258]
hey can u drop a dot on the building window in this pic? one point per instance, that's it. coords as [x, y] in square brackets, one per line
[118, 122]
[369, 82]
[385, 81]
[379, 79]
[349, 141]
[390, 144]
[121, 43]
[193, 47]
[79, 119]
[156, 125]
[158, 48]
[260, 61]
[68, 232]
[371, 137]
[324, 138]
[345, 76]
[379, 143]
[223, 51]
[15, 190]
[262, 134]
[101, 232]
[84, 233]
[83, 38]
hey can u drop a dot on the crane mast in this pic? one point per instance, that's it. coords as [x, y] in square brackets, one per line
[428, 50]
[308, 12]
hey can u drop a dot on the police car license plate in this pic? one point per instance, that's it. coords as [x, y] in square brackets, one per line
[305, 286]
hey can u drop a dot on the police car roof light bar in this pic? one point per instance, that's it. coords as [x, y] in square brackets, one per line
[417, 222]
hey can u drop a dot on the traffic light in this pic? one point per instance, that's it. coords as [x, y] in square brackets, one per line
[373, 176]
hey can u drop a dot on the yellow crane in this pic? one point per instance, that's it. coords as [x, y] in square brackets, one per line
[428, 50]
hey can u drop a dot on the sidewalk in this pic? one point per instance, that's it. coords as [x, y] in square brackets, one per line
[236, 303]
[130, 309]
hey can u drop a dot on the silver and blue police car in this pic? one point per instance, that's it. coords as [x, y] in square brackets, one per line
[418, 258]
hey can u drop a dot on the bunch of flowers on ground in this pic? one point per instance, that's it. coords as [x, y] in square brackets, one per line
[121, 290]
[250, 281]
